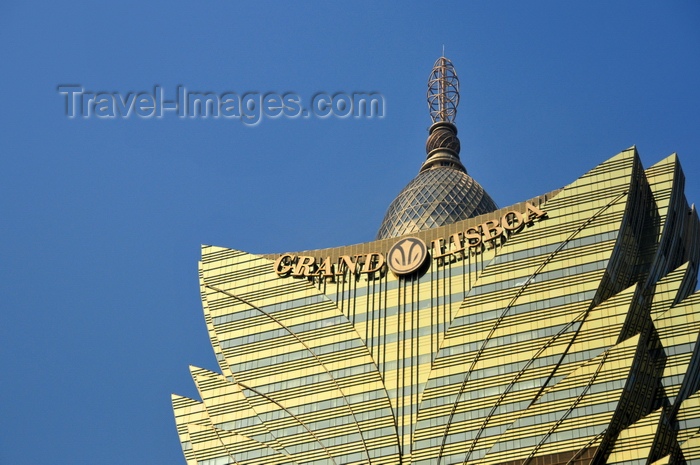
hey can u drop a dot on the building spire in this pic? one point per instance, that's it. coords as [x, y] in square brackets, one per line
[442, 146]
[443, 192]
[443, 91]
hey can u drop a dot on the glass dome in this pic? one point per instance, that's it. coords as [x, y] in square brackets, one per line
[436, 197]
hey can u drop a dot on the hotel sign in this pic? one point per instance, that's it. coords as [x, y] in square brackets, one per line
[487, 234]
[300, 266]
[407, 255]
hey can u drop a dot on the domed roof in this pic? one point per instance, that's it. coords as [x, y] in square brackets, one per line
[436, 197]
[442, 193]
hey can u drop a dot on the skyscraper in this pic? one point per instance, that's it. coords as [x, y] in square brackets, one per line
[562, 329]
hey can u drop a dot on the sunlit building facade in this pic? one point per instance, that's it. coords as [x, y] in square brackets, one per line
[560, 330]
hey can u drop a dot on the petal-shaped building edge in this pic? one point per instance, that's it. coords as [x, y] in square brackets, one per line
[585, 403]
[688, 418]
[188, 411]
[634, 444]
[678, 330]
[375, 367]
[571, 260]
[290, 357]
[228, 409]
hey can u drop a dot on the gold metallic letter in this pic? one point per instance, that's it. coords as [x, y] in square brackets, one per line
[326, 268]
[283, 265]
[378, 260]
[513, 227]
[532, 210]
[491, 230]
[472, 237]
[303, 267]
[350, 265]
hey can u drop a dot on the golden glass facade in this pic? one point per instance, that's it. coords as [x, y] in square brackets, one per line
[568, 337]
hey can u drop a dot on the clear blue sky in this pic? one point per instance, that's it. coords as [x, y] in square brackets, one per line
[102, 219]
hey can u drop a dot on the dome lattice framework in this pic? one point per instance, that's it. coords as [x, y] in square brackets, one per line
[436, 197]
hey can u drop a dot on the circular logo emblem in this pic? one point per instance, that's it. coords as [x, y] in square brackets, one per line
[407, 255]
